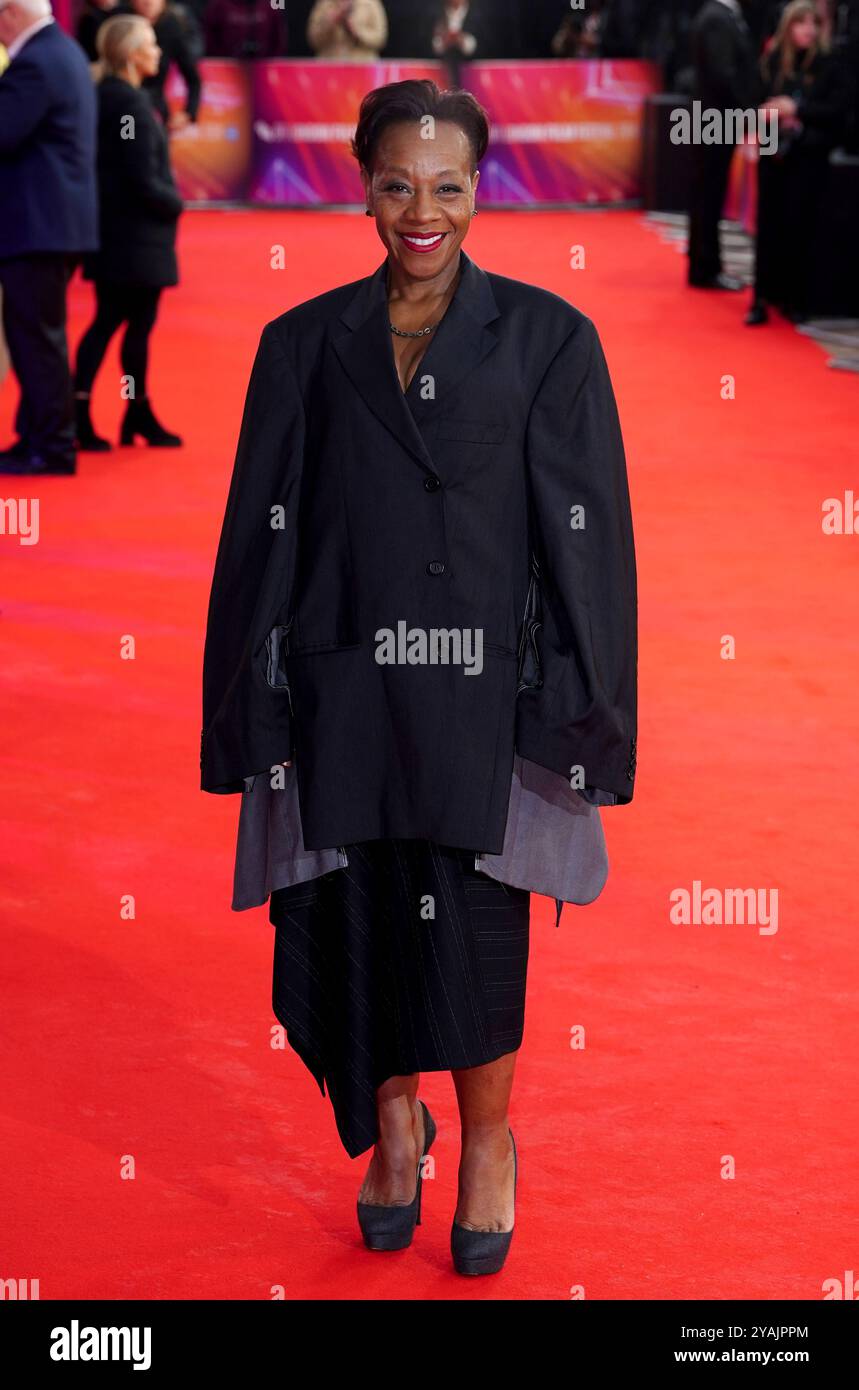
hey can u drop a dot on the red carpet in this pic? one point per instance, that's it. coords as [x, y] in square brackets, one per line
[150, 1037]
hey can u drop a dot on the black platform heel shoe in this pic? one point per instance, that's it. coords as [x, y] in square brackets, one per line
[139, 419]
[482, 1252]
[392, 1228]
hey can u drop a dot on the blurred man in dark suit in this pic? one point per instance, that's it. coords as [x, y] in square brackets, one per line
[48, 196]
[726, 79]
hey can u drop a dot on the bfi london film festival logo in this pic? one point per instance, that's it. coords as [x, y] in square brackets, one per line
[734, 126]
[434, 646]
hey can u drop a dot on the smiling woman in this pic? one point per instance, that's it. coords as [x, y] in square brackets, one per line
[421, 193]
[421, 436]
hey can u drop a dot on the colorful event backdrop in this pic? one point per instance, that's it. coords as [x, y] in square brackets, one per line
[741, 204]
[304, 117]
[212, 158]
[278, 132]
[562, 131]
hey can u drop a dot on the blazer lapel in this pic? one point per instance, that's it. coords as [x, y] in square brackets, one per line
[461, 341]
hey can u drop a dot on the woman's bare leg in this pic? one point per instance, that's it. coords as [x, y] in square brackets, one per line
[485, 1201]
[390, 1179]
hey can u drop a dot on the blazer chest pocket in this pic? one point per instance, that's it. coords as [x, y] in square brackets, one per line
[472, 431]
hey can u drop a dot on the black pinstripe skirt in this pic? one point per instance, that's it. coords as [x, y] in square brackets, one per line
[407, 960]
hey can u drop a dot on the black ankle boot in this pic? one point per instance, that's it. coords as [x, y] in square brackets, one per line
[85, 436]
[757, 314]
[139, 420]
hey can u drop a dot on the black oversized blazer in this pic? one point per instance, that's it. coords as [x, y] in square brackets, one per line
[355, 506]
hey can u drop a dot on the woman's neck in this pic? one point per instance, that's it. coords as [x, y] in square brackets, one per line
[423, 291]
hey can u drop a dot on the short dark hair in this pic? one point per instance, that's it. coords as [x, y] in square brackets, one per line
[411, 101]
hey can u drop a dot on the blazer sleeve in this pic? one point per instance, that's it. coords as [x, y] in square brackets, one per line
[25, 100]
[247, 724]
[585, 713]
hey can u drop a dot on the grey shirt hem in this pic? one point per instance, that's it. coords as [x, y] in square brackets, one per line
[553, 841]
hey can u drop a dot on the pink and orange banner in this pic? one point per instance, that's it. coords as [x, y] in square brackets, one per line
[562, 132]
[304, 119]
[279, 132]
[212, 158]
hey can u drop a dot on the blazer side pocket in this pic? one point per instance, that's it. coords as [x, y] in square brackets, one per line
[277, 646]
[530, 665]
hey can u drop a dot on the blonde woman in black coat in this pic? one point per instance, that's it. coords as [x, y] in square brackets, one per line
[139, 211]
[808, 88]
[420, 664]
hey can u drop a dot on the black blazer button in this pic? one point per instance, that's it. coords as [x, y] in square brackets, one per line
[432, 484]
[435, 567]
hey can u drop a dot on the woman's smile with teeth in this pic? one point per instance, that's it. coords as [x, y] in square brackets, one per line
[423, 243]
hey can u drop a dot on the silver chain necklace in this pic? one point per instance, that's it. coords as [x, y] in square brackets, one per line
[421, 332]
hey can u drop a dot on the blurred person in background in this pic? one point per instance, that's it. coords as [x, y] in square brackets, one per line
[725, 78]
[92, 16]
[806, 85]
[848, 41]
[295, 18]
[48, 197]
[579, 34]
[825, 12]
[196, 10]
[665, 38]
[181, 43]
[500, 28]
[140, 208]
[621, 26]
[179, 38]
[244, 29]
[539, 22]
[460, 32]
[355, 30]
